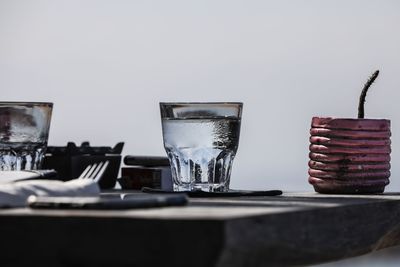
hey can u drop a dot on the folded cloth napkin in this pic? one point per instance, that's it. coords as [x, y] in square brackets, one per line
[16, 194]
[13, 176]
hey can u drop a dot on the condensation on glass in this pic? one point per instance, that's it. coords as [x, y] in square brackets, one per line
[24, 131]
[201, 141]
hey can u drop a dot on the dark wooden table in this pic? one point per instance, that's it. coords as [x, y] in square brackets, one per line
[293, 229]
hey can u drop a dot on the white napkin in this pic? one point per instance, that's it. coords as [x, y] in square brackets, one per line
[13, 176]
[15, 194]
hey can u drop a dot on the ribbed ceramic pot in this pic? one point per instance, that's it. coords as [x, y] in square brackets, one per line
[349, 155]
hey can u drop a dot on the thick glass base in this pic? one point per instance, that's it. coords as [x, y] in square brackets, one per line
[206, 187]
[21, 156]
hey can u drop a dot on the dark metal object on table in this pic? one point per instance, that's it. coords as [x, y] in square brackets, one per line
[146, 171]
[137, 177]
[147, 161]
[71, 160]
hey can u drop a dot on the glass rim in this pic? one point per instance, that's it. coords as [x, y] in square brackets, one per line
[201, 103]
[21, 103]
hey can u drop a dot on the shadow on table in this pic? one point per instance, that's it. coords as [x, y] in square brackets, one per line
[306, 201]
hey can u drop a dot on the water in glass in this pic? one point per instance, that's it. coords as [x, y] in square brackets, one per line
[201, 151]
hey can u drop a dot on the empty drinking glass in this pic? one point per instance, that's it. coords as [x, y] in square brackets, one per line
[201, 140]
[24, 130]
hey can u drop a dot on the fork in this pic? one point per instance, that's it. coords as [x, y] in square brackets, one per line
[94, 171]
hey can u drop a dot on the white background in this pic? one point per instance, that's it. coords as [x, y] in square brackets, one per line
[107, 64]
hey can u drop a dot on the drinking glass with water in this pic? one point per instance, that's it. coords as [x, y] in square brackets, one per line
[201, 140]
[24, 130]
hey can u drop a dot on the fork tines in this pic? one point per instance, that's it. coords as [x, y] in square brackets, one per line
[94, 171]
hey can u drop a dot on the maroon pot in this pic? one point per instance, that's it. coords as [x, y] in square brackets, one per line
[349, 155]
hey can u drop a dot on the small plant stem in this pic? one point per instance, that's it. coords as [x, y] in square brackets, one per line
[364, 94]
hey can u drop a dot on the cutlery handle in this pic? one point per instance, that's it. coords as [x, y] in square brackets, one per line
[146, 161]
[132, 201]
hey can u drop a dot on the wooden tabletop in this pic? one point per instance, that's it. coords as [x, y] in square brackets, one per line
[293, 229]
